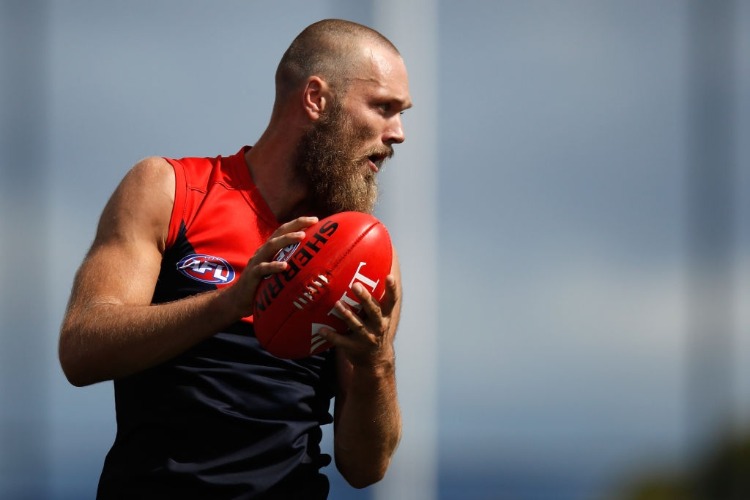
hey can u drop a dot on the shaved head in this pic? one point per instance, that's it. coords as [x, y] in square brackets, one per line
[330, 49]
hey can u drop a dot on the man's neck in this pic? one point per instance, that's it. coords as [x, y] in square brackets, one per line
[276, 180]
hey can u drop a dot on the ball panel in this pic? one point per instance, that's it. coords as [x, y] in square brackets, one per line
[291, 307]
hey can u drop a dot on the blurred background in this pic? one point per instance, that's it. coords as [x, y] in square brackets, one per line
[576, 249]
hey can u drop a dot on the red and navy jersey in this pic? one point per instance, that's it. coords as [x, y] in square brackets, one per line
[225, 419]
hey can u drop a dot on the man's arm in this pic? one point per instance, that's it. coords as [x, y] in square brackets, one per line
[110, 329]
[367, 420]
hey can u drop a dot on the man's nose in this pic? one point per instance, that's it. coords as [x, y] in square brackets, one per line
[395, 132]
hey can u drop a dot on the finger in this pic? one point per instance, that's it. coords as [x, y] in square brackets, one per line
[264, 269]
[391, 296]
[370, 306]
[336, 339]
[276, 243]
[285, 235]
[295, 225]
[353, 322]
[267, 252]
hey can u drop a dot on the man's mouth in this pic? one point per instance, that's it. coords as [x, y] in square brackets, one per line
[376, 161]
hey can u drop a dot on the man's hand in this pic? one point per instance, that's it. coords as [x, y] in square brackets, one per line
[242, 293]
[369, 342]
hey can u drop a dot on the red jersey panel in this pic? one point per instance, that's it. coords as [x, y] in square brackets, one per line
[233, 220]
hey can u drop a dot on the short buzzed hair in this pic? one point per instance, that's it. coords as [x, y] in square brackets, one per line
[328, 49]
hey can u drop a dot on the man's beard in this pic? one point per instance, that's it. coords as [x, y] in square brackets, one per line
[336, 180]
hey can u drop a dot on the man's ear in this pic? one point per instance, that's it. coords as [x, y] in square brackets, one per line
[315, 97]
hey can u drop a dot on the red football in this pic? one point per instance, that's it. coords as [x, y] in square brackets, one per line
[292, 306]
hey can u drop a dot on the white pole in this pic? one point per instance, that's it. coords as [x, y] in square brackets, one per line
[409, 209]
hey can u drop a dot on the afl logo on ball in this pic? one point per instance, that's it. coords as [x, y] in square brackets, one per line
[285, 253]
[206, 269]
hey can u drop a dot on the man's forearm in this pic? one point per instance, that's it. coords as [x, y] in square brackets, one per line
[368, 427]
[109, 340]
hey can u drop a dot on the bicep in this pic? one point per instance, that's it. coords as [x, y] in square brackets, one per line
[124, 261]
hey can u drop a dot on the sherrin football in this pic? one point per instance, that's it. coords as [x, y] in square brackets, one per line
[337, 252]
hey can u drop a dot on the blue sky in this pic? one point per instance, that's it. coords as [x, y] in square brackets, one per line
[562, 264]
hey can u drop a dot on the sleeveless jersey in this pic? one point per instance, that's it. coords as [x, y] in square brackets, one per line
[225, 419]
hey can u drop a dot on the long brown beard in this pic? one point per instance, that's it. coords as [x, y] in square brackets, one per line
[336, 180]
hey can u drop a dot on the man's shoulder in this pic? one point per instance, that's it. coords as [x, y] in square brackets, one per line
[206, 167]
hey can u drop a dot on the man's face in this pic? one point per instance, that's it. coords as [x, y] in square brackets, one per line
[344, 150]
[331, 161]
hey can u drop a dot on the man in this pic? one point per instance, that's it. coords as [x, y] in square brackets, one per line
[202, 410]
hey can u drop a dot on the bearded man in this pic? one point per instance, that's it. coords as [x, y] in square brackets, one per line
[203, 411]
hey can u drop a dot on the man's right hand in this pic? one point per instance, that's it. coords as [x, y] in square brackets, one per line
[242, 293]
